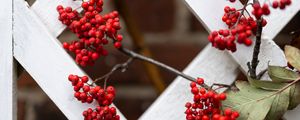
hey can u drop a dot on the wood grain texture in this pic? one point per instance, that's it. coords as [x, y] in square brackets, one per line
[41, 54]
[7, 90]
[212, 65]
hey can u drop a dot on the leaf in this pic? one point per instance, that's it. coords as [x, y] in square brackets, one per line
[292, 55]
[267, 85]
[248, 101]
[279, 106]
[281, 74]
[294, 96]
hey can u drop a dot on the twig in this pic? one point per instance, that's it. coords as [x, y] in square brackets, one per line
[231, 87]
[242, 13]
[281, 90]
[252, 67]
[261, 73]
[170, 69]
[122, 66]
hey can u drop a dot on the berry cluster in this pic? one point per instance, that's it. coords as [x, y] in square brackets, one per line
[240, 27]
[258, 10]
[92, 29]
[230, 16]
[239, 31]
[101, 113]
[207, 105]
[281, 3]
[87, 94]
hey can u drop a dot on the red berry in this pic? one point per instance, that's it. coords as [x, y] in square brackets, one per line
[193, 84]
[84, 79]
[222, 96]
[117, 45]
[235, 114]
[275, 4]
[248, 42]
[119, 38]
[205, 117]
[195, 90]
[86, 88]
[188, 105]
[95, 56]
[59, 7]
[200, 81]
[85, 5]
[202, 90]
[227, 111]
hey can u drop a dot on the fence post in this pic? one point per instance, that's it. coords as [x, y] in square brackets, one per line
[7, 81]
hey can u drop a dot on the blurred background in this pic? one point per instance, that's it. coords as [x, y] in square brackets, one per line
[163, 29]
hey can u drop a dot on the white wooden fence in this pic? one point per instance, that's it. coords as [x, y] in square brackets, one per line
[29, 34]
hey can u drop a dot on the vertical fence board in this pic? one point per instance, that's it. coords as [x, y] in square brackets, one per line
[7, 90]
[46, 61]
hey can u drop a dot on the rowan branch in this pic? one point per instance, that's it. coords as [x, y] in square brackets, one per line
[159, 64]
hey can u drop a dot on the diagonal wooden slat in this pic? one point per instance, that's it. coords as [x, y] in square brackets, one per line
[47, 62]
[278, 19]
[7, 81]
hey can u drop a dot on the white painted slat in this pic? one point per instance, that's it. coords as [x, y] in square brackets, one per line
[46, 10]
[47, 62]
[7, 90]
[279, 18]
[213, 65]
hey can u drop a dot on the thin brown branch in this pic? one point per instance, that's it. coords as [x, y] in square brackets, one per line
[123, 67]
[230, 87]
[261, 73]
[166, 67]
[255, 61]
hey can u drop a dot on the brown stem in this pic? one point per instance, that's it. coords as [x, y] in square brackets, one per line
[170, 69]
[254, 62]
[256, 50]
[122, 66]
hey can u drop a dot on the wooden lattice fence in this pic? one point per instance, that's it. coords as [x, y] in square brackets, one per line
[29, 34]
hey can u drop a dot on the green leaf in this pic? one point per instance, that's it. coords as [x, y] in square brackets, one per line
[248, 101]
[267, 85]
[294, 96]
[279, 106]
[292, 55]
[281, 74]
